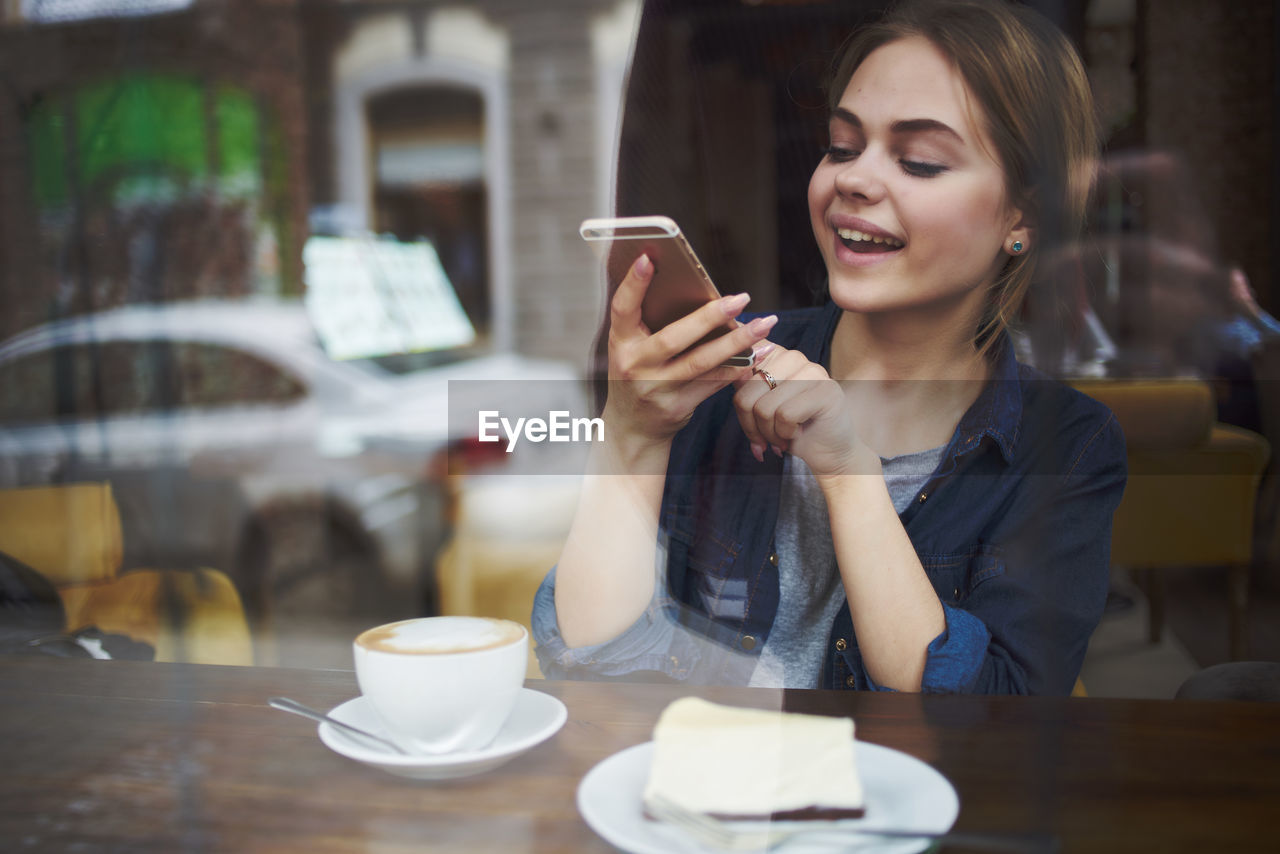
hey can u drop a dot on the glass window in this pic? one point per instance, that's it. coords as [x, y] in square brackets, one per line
[98, 379]
[27, 389]
[116, 378]
[215, 376]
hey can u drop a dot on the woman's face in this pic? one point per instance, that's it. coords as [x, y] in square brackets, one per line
[909, 206]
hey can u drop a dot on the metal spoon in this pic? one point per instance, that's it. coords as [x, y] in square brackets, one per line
[284, 704]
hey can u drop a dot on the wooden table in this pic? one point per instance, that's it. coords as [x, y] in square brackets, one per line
[124, 756]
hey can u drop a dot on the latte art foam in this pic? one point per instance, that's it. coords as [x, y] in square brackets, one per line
[441, 635]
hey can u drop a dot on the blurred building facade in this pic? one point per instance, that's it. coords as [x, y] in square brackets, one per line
[486, 126]
[155, 149]
[159, 150]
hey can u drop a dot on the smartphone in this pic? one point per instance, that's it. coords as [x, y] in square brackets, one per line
[680, 283]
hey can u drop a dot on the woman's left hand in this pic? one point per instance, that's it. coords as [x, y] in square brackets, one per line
[803, 411]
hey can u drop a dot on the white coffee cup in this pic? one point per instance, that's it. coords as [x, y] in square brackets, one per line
[442, 684]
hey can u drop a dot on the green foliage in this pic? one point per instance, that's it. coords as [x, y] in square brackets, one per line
[145, 137]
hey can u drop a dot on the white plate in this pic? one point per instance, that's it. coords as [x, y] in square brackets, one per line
[535, 718]
[901, 792]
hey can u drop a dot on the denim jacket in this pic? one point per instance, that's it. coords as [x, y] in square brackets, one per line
[1013, 530]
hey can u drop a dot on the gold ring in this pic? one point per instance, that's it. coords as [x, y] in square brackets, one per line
[768, 377]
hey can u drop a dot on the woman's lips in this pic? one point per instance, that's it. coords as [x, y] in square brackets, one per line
[867, 241]
[859, 247]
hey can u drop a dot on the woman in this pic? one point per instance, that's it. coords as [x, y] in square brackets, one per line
[887, 500]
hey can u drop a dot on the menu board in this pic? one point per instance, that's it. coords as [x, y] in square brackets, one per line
[375, 297]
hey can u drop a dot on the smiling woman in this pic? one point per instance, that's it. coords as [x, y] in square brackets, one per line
[887, 500]
[908, 191]
[1015, 100]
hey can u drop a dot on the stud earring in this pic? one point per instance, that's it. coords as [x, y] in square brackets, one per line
[1017, 247]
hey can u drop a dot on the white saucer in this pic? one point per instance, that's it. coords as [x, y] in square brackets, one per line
[901, 792]
[535, 718]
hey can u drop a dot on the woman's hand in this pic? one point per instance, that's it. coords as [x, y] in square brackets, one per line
[803, 411]
[655, 379]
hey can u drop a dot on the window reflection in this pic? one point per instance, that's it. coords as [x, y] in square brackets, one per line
[128, 173]
[187, 152]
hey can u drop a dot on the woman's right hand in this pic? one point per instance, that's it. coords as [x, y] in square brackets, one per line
[605, 575]
[654, 384]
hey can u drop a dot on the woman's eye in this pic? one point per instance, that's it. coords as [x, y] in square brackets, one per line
[839, 153]
[921, 169]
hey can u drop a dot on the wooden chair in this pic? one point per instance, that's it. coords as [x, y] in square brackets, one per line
[72, 535]
[1192, 490]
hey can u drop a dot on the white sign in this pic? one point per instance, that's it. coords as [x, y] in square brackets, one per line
[370, 297]
[56, 11]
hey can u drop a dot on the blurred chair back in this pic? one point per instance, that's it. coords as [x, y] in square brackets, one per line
[1192, 489]
[72, 535]
[69, 534]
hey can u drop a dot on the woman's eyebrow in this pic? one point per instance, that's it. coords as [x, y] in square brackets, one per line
[902, 126]
[840, 114]
[924, 126]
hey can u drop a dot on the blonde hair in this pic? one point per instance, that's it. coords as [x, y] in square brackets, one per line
[1038, 111]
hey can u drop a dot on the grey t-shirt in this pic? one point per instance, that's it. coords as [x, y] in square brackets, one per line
[810, 594]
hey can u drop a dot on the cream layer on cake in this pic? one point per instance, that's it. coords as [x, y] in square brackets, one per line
[749, 763]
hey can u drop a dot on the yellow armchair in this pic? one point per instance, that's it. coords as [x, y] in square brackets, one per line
[72, 535]
[1192, 490]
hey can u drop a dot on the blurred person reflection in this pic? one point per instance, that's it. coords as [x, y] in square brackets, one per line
[1145, 292]
[1237, 346]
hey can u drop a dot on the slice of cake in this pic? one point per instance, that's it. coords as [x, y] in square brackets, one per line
[751, 764]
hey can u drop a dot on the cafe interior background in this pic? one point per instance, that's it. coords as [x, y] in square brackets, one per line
[256, 256]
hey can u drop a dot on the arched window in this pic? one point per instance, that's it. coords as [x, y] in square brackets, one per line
[428, 95]
[428, 150]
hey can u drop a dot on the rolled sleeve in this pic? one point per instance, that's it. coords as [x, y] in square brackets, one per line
[644, 646]
[953, 660]
[657, 645]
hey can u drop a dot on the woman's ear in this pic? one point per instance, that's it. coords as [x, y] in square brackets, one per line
[1022, 230]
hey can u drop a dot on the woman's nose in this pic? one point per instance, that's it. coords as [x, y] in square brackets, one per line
[861, 178]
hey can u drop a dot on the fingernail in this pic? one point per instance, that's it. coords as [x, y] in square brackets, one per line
[643, 265]
[761, 325]
[763, 348]
[776, 450]
[757, 451]
[735, 304]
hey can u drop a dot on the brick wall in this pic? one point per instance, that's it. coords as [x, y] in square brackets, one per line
[553, 125]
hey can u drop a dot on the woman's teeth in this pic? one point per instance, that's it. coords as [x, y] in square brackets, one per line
[855, 239]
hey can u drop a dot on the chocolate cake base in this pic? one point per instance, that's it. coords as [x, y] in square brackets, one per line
[806, 814]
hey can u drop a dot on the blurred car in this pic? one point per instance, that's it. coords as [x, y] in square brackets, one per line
[232, 440]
